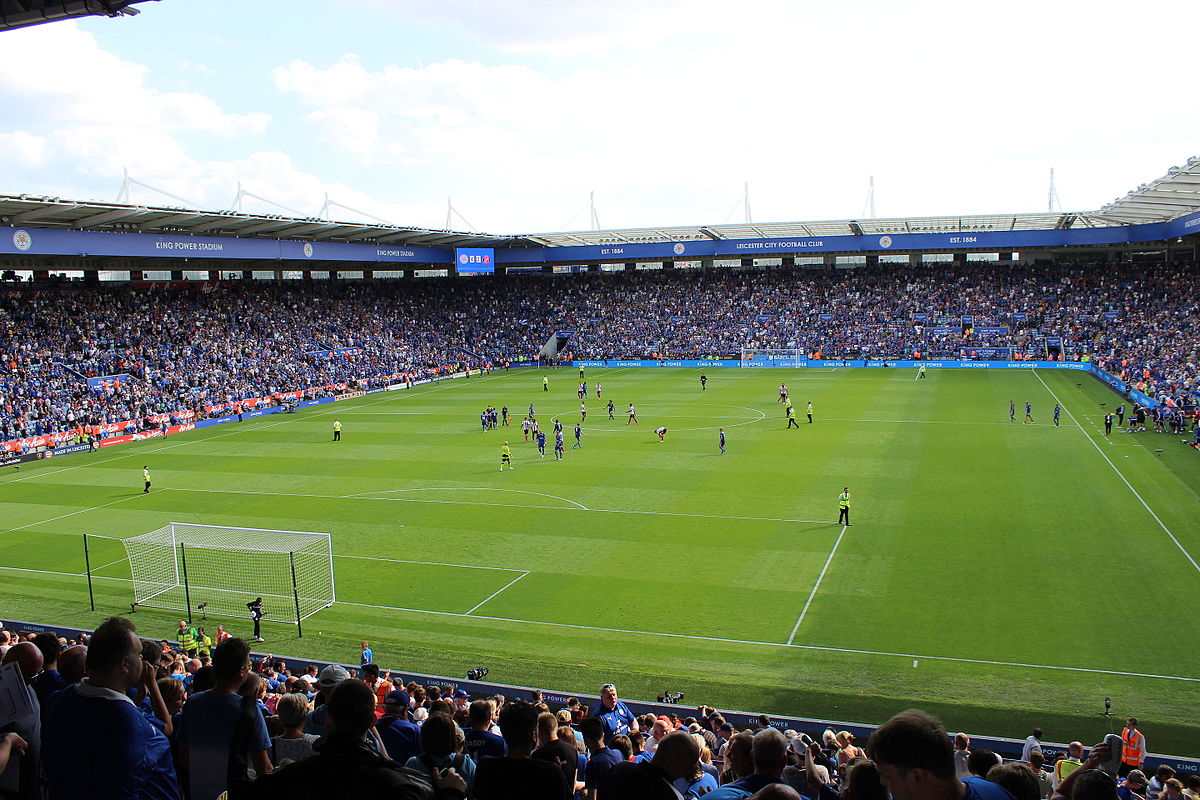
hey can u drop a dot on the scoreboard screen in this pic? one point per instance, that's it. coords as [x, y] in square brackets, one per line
[475, 259]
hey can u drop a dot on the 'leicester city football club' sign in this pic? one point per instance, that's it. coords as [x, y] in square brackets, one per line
[22, 240]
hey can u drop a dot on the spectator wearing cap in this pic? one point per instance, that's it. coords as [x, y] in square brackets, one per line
[614, 715]
[480, 741]
[293, 744]
[346, 766]
[462, 703]
[519, 775]
[400, 735]
[96, 737]
[222, 734]
[768, 754]
[1134, 786]
[675, 758]
[915, 759]
[330, 677]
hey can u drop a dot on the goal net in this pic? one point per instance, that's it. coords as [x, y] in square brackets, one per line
[217, 570]
[772, 357]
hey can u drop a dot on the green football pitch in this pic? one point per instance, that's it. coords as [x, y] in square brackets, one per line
[1000, 574]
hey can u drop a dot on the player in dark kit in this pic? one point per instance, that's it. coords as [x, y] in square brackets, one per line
[541, 443]
[1057, 411]
[1108, 418]
[721, 440]
[1012, 411]
[611, 410]
[704, 383]
[256, 614]
[1028, 413]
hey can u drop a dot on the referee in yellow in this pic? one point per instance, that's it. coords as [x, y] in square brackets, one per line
[505, 457]
[844, 506]
[337, 430]
[146, 478]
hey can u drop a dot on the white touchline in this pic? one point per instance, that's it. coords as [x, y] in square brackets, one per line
[1120, 475]
[817, 585]
[694, 637]
[498, 591]
[428, 563]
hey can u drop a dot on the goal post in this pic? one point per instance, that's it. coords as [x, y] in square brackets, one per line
[191, 568]
[773, 357]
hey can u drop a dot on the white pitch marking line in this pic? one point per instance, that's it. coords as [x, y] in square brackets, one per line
[917, 421]
[109, 564]
[694, 637]
[1120, 474]
[429, 563]
[498, 591]
[471, 489]
[70, 514]
[817, 585]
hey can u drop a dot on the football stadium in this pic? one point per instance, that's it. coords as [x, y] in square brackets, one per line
[778, 482]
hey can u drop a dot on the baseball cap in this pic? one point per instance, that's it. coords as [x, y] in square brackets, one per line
[332, 675]
[727, 726]
[462, 694]
[1136, 776]
[396, 697]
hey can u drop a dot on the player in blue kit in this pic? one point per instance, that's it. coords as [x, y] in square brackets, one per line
[611, 410]
[1057, 411]
[1028, 413]
[721, 440]
[559, 450]
[557, 426]
[483, 420]
[578, 438]
[1012, 411]
[541, 443]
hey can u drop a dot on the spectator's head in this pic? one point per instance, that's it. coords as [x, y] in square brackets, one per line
[777, 791]
[27, 657]
[72, 663]
[292, 710]
[980, 762]
[1163, 772]
[1075, 750]
[1037, 734]
[479, 714]
[1172, 789]
[351, 710]
[231, 662]
[396, 702]
[370, 672]
[1094, 784]
[962, 741]
[677, 755]
[913, 755]
[608, 696]
[49, 645]
[660, 728]
[331, 676]
[204, 679]
[438, 738]
[173, 694]
[253, 687]
[622, 745]
[1136, 781]
[519, 722]
[114, 655]
[547, 728]
[593, 732]
[769, 752]
[737, 754]
[1017, 778]
[863, 782]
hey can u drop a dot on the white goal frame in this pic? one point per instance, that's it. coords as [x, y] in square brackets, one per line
[772, 357]
[216, 569]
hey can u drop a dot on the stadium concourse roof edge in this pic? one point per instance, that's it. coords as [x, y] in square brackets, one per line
[1173, 195]
[1000, 744]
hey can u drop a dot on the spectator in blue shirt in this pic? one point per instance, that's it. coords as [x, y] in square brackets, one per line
[601, 759]
[915, 759]
[613, 714]
[480, 740]
[221, 733]
[368, 655]
[97, 743]
[400, 735]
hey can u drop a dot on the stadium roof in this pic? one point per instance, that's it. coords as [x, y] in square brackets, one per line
[1173, 195]
[54, 212]
[22, 13]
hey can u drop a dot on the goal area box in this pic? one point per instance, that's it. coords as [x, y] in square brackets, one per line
[218, 570]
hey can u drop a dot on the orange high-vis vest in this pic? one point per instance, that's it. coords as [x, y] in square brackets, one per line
[1131, 750]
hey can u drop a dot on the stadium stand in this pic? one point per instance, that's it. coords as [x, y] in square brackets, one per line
[183, 352]
[275, 709]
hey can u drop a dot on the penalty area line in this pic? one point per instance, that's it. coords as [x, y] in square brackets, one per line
[493, 594]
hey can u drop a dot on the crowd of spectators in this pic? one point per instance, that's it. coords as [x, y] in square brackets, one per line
[199, 350]
[113, 715]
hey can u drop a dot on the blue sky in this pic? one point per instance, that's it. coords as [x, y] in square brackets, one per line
[663, 108]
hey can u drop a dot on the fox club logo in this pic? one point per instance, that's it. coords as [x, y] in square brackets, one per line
[22, 240]
[679, 248]
[308, 249]
[885, 242]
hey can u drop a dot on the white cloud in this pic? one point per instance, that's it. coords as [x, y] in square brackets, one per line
[21, 148]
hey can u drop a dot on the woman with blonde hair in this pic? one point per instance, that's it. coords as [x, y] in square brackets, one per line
[847, 752]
